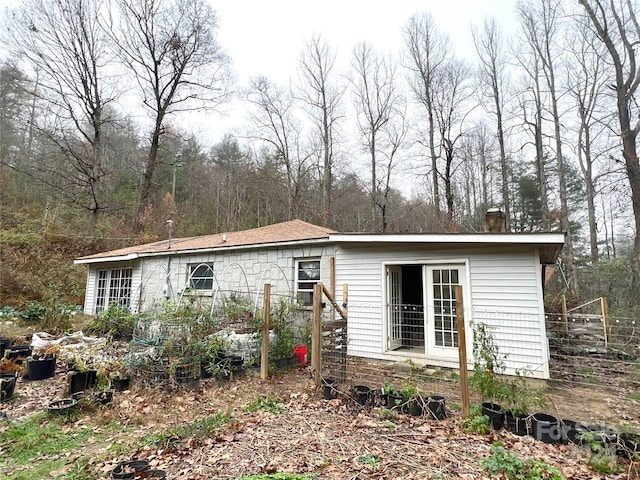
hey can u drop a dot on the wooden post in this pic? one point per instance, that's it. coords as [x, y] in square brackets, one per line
[462, 352]
[564, 314]
[605, 319]
[266, 325]
[316, 334]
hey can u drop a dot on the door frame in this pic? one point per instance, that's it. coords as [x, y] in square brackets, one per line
[430, 350]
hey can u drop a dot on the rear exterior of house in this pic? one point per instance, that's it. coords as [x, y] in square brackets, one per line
[402, 302]
[400, 286]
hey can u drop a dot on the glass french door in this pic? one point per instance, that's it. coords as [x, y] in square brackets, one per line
[441, 324]
[394, 306]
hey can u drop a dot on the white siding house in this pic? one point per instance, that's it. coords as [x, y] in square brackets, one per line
[400, 286]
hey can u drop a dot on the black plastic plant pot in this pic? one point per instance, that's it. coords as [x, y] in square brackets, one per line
[120, 384]
[329, 388]
[545, 428]
[63, 406]
[518, 424]
[7, 385]
[415, 407]
[41, 369]
[362, 394]
[18, 353]
[566, 426]
[593, 436]
[495, 414]
[436, 407]
[628, 445]
[104, 397]
[131, 469]
[81, 381]
[5, 343]
[394, 401]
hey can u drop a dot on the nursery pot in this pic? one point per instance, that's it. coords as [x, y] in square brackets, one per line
[18, 353]
[329, 388]
[566, 426]
[594, 436]
[362, 394]
[5, 343]
[41, 369]
[495, 414]
[394, 401]
[80, 381]
[517, 423]
[415, 406]
[545, 428]
[7, 385]
[120, 384]
[628, 445]
[58, 407]
[602, 435]
[435, 405]
[130, 469]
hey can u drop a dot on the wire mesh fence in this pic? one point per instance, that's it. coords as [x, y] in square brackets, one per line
[586, 358]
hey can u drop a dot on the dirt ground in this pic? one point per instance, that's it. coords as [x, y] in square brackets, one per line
[332, 438]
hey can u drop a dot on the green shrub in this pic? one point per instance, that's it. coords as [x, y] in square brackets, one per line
[116, 321]
[513, 467]
[34, 313]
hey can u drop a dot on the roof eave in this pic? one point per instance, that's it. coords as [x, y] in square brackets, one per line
[549, 244]
[164, 253]
[117, 258]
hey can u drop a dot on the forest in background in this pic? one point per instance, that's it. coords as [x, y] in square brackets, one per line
[420, 140]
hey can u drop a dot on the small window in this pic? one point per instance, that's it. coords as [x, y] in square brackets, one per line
[201, 276]
[307, 275]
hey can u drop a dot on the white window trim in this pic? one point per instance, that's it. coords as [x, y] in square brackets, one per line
[297, 280]
[194, 266]
[99, 306]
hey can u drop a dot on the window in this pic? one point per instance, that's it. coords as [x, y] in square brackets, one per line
[114, 287]
[201, 276]
[307, 275]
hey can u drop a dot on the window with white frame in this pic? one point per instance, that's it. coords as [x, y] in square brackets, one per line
[201, 276]
[114, 287]
[307, 275]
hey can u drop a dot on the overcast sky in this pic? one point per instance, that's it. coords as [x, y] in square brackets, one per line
[266, 36]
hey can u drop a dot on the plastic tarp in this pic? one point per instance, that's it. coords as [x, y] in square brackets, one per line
[70, 341]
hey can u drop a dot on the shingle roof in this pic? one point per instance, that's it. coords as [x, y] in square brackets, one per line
[294, 230]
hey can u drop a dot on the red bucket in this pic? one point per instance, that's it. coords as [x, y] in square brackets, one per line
[301, 352]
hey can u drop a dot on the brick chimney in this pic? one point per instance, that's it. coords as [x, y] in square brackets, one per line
[495, 221]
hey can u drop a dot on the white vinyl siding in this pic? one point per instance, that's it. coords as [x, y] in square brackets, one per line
[504, 291]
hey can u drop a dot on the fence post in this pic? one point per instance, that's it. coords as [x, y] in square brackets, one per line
[462, 351]
[605, 319]
[266, 324]
[564, 313]
[316, 334]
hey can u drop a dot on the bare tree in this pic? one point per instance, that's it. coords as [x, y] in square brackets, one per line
[427, 49]
[541, 24]
[586, 80]
[275, 124]
[492, 54]
[615, 24]
[451, 97]
[530, 101]
[322, 94]
[377, 102]
[63, 42]
[171, 48]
